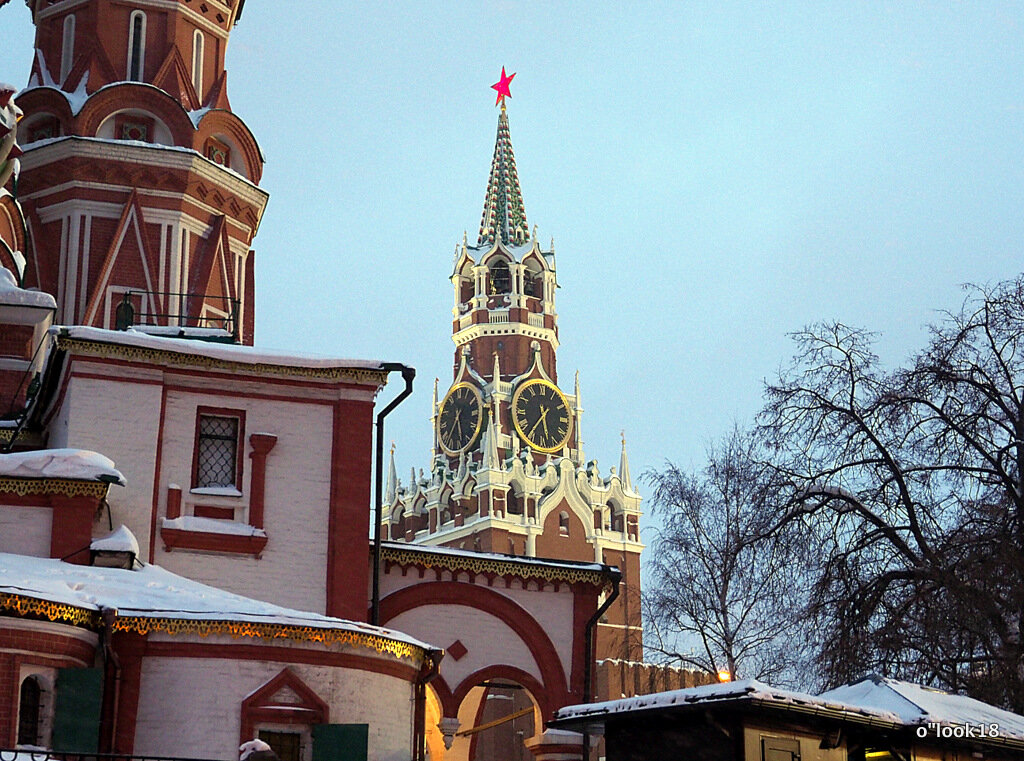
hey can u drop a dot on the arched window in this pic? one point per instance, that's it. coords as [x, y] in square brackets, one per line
[29, 713]
[533, 284]
[197, 63]
[67, 47]
[563, 523]
[515, 503]
[501, 279]
[136, 46]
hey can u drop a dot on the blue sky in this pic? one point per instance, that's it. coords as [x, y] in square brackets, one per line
[715, 175]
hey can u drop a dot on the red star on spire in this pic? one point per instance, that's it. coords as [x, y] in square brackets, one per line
[502, 87]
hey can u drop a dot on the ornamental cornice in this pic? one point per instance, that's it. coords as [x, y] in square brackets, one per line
[72, 345]
[380, 644]
[73, 615]
[65, 487]
[491, 564]
[478, 330]
[52, 611]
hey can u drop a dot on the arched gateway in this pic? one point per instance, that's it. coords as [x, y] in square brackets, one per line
[514, 631]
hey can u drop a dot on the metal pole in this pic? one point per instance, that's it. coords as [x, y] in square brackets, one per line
[408, 373]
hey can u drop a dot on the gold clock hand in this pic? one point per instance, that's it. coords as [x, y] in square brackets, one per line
[539, 420]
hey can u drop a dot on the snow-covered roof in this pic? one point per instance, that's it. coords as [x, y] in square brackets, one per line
[919, 705]
[746, 690]
[875, 701]
[72, 464]
[151, 592]
[229, 353]
[11, 294]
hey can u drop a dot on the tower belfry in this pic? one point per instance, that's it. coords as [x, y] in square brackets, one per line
[509, 473]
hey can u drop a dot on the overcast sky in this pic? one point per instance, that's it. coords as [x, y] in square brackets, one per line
[714, 175]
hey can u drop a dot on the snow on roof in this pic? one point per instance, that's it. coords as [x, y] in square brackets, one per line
[150, 591]
[749, 690]
[226, 352]
[11, 294]
[72, 464]
[919, 705]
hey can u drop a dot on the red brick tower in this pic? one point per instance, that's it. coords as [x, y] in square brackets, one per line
[509, 474]
[138, 182]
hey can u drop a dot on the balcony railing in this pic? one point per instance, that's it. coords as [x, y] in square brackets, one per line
[178, 311]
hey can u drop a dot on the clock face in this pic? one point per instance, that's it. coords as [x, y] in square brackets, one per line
[460, 418]
[541, 416]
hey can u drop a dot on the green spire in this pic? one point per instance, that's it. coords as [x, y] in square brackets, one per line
[504, 214]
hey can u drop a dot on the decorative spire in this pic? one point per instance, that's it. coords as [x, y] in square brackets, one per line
[504, 216]
[391, 490]
[491, 447]
[496, 372]
[627, 482]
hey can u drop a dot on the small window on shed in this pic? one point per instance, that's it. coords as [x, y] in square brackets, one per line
[780, 749]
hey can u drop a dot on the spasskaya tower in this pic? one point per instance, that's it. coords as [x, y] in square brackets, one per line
[509, 473]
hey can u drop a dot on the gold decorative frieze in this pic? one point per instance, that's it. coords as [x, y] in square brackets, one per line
[52, 611]
[61, 612]
[64, 487]
[384, 645]
[485, 564]
[159, 356]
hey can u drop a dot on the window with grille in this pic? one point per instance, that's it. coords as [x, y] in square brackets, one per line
[217, 451]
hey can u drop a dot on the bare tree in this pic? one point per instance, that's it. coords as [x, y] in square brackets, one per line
[912, 480]
[723, 594]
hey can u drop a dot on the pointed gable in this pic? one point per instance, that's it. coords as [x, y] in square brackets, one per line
[129, 256]
[173, 78]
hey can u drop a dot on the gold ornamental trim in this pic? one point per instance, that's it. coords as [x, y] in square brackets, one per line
[173, 626]
[160, 356]
[499, 566]
[6, 434]
[75, 616]
[66, 487]
[52, 611]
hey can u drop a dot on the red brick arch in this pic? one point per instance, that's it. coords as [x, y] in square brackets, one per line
[550, 694]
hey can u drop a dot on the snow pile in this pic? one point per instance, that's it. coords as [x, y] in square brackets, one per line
[253, 746]
[225, 352]
[152, 592]
[211, 526]
[121, 540]
[918, 705]
[76, 464]
[11, 294]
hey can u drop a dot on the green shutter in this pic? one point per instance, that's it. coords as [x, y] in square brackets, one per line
[76, 720]
[340, 742]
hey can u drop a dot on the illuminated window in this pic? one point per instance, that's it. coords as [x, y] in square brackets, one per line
[67, 50]
[197, 63]
[136, 45]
